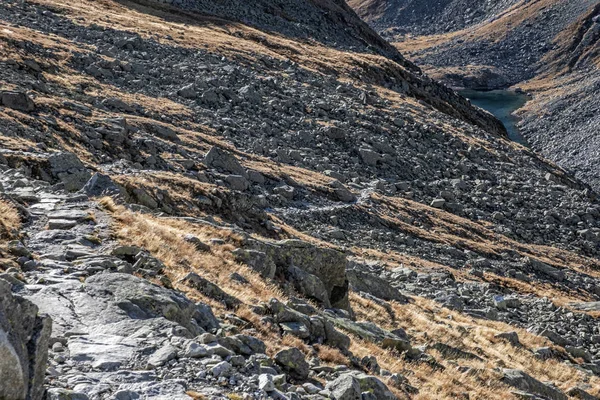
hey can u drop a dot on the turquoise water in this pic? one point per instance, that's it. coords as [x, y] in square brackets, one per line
[501, 103]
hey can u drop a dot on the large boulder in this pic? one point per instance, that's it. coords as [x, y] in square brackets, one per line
[314, 328]
[69, 170]
[362, 281]
[296, 260]
[112, 312]
[224, 161]
[101, 185]
[528, 384]
[371, 332]
[141, 299]
[17, 101]
[351, 385]
[309, 285]
[293, 363]
[210, 289]
[258, 261]
[24, 336]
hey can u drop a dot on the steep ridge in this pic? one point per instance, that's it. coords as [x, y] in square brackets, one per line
[213, 210]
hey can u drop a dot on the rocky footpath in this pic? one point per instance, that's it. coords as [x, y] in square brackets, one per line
[279, 218]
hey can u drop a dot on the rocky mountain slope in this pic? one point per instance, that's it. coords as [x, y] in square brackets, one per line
[212, 203]
[428, 17]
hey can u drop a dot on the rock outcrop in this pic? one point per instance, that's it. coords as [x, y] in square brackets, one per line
[24, 338]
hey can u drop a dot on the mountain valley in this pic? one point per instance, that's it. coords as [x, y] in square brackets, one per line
[224, 200]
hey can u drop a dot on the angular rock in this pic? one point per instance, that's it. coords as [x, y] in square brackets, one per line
[361, 281]
[211, 290]
[17, 101]
[223, 160]
[24, 337]
[101, 185]
[258, 261]
[293, 362]
[522, 381]
[351, 385]
[309, 285]
[69, 170]
[198, 244]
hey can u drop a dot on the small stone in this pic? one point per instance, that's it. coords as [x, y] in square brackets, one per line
[265, 382]
[438, 203]
[221, 369]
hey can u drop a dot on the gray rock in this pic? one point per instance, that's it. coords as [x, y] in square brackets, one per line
[210, 289]
[195, 350]
[198, 244]
[162, 356]
[189, 92]
[265, 382]
[361, 281]
[17, 101]
[285, 191]
[346, 387]
[520, 380]
[237, 182]
[24, 337]
[222, 160]
[372, 333]
[221, 369]
[511, 337]
[328, 265]
[546, 269]
[588, 306]
[351, 385]
[65, 394]
[293, 363]
[101, 185]
[258, 261]
[580, 394]
[69, 170]
[309, 285]
[369, 156]
[438, 203]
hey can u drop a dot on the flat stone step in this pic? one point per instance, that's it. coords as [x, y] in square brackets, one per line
[76, 215]
[61, 224]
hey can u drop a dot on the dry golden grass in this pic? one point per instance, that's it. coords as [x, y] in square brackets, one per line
[10, 221]
[428, 323]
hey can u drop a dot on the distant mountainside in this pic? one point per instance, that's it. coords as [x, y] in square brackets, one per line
[428, 17]
[502, 49]
[547, 47]
[563, 120]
